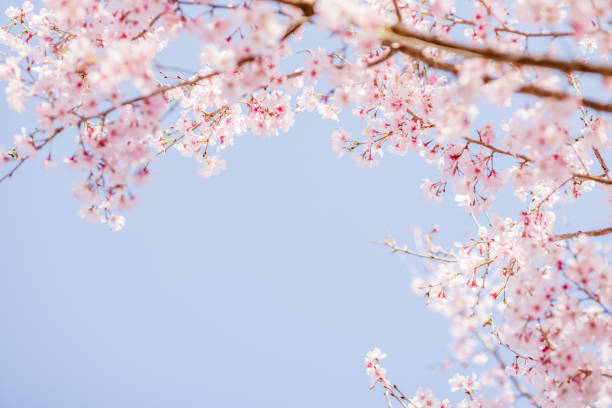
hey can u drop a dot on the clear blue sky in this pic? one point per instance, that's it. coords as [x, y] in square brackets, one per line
[259, 287]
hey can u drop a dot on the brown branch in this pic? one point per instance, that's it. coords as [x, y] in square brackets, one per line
[509, 30]
[23, 159]
[151, 24]
[525, 89]
[306, 7]
[401, 34]
[597, 179]
[14, 169]
[382, 59]
[545, 93]
[496, 150]
[400, 396]
[454, 20]
[398, 13]
[592, 233]
[294, 28]
[295, 74]
[601, 161]
[527, 34]
[418, 54]
[164, 89]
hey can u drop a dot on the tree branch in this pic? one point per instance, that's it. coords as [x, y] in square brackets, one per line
[306, 7]
[23, 159]
[597, 179]
[496, 150]
[502, 364]
[592, 233]
[165, 89]
[525, 89]
[13, 170]
[601, 161]
[405, 250]
[382, 59]
[402, 34]
[457, 20]
[398, 13]
[151, 24]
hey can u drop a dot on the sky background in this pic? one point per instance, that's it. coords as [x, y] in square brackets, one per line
[260, 287]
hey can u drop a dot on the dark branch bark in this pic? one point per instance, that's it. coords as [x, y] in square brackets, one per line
[592, 233]
[403, 34]
[306, 7]
[532, 90]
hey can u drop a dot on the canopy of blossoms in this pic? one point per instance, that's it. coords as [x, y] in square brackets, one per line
[529, 308]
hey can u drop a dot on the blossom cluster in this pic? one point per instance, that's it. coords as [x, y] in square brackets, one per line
[529, 308]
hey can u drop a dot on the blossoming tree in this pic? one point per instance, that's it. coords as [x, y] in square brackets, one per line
[536, 303]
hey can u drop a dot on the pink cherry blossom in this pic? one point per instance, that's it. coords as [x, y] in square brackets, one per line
[499, 98]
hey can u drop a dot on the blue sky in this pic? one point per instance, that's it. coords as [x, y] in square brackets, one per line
[260, 287]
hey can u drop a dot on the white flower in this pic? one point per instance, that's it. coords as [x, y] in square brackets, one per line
[116, 222]
[213, 167]
[460, 382]
[463, 200]
[587, 44]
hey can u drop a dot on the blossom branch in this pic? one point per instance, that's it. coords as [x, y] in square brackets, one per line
[13, 170]
[165, 89]
[403, 35]
[398, 13]
[394, 249]
[601, 161]
[532, 90]
[24, 159]
[591, 233]
[597, 179]
[382, 59]
[502, 364]
[151, 24]
[455, 20]
[306, 7]
[497, 150]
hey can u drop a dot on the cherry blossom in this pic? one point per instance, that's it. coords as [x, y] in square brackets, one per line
[498, 97]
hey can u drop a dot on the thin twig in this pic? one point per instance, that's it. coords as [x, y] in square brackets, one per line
[395, 248]
[23, 159]
[165, 89]
[382, 59]
[552, 192]
[497, 150]
[502, 364]
[598, 179]
[13, 170]
[151, 24]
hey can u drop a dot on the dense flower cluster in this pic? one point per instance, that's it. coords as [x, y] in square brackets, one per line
[529, 308]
